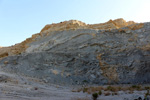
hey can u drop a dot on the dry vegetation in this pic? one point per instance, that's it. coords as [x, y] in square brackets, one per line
[112, 89]
[81, 98]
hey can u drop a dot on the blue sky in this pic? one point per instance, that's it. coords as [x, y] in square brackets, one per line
[19, 19]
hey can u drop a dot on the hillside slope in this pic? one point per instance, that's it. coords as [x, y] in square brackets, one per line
[66, 25]
[73, 53]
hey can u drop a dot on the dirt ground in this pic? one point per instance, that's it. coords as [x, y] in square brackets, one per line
[14, 87]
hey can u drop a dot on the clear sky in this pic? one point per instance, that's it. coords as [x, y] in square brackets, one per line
[19, 19]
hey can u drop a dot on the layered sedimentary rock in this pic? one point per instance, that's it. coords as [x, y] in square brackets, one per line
[74, 24]
[73, 52]
[66, 25]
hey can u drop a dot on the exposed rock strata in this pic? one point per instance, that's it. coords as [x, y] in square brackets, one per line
[73, 52]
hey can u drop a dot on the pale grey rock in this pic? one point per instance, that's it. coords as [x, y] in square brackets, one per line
[123, 57]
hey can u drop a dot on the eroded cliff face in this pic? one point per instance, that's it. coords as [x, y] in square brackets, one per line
[74, 24]
[73, 52]
[66, 25]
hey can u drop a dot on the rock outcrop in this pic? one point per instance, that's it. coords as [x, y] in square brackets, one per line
[73, 52]
[66, 25]
[74, 24]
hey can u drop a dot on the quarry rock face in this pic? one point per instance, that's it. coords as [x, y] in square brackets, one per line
[74, 53]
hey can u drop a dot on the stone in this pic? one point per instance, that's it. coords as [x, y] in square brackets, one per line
[69, 52]
[93, 76]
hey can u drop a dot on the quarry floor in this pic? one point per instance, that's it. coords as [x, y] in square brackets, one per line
[25, 88]
[29, 92]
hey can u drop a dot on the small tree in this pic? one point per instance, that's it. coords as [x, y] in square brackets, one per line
[95, 95]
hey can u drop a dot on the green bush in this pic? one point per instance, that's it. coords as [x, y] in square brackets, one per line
[100, 92]
[95, 96]
[85, 81]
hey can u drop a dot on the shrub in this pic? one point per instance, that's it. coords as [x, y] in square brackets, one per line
[133, 86]
[119, 88]
[116, 93]
[110, 88]
[147, 88]
[100, 92]
[137, 87]
[147, 93]
[95, 95]
[85, 81]
[35, 88]
[85, 89]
